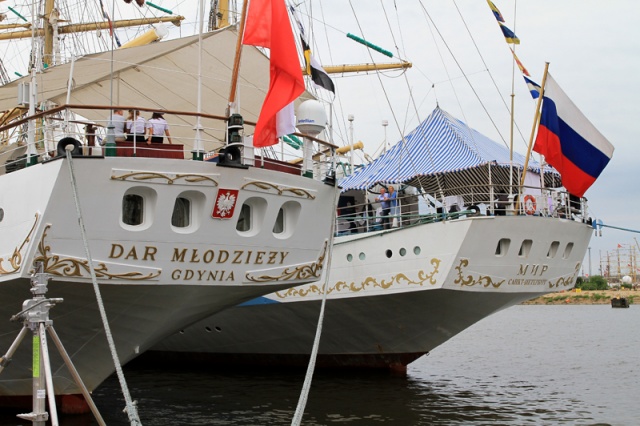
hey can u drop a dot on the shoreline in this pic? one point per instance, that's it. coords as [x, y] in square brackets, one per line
[591, 297]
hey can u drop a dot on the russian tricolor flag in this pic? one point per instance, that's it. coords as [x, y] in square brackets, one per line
[569, 142]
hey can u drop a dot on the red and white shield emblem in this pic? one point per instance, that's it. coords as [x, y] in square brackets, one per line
[225, 203]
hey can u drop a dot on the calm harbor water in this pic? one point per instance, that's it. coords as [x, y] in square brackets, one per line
[525, 365]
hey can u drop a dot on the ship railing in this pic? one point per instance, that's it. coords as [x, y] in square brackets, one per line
[412, 208]
[70, 122]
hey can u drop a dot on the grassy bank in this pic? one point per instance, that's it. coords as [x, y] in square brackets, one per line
[596, 297]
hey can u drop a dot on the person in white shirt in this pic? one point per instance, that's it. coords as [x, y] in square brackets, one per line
[118, 121]
[157, 127]
[136, 125]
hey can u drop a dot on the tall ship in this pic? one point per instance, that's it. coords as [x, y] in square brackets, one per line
[473, 228]
[169, 233]
[395, 294]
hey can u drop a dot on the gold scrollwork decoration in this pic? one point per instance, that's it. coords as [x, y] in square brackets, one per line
[266, 186]
[72, 267]
[188, 177]
[470, 280]
[301, 272]
[566, 281]
[369, 282]
[16, 258]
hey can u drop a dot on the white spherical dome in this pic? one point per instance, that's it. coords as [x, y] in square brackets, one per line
[626, 279]
[311, 118]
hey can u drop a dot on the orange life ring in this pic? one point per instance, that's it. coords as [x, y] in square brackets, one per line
[529, 204]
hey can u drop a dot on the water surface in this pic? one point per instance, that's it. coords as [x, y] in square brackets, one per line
[525, 365]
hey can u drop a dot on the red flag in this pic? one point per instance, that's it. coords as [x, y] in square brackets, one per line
[268, 26]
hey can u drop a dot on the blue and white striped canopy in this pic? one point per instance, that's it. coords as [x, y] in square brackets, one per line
[444, 153]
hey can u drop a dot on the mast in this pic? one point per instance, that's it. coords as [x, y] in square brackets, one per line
[12, 26]
[340, 69]
[49, 13]
[32, 153]
[236, 63]
[93, 26]
[198, 148]
[221, 15]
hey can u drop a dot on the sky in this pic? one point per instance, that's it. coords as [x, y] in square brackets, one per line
[462, 63]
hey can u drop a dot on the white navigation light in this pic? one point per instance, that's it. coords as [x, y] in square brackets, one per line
[311, 118]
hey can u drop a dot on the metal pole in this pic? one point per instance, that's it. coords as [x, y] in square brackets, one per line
[44, 349]
[6, 359]
[198, 150]
[76, 376]
[385, 123]
[351, 118]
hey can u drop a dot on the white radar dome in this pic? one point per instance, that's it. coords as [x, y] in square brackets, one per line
[311, 118]
[626, 279]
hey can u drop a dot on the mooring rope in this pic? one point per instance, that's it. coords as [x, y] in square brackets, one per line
[132, 411]
[619, 228]
[304, 394]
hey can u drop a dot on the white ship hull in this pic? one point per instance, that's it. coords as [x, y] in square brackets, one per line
[386, 311]
[155, 278]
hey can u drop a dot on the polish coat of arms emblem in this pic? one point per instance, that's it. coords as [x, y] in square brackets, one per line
[225, 204]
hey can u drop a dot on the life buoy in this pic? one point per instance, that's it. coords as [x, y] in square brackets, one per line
[529, 204]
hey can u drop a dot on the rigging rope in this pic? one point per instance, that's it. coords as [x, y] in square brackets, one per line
[131, 409]
[523, 139]
[395, 119]
[464, 75]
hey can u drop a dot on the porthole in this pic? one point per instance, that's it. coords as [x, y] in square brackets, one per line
[244, 219]
[278, 227]
[1, 214]
[525, 248]
[132, 209]
[188, 211]
[388, 253]
[138, 208]
[403, 251]
[567, 251]
[287, 219]
[349, 257]
[416, 250]
[553, 249]
[503, 247]
[251, 217]
[218, 329]
[362, 256]
[181, 217]
[208, 329]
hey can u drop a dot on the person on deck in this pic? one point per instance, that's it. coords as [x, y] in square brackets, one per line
[118, 121]
[157, 127]
[136, 125]
[393, 202]
[386, 207]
